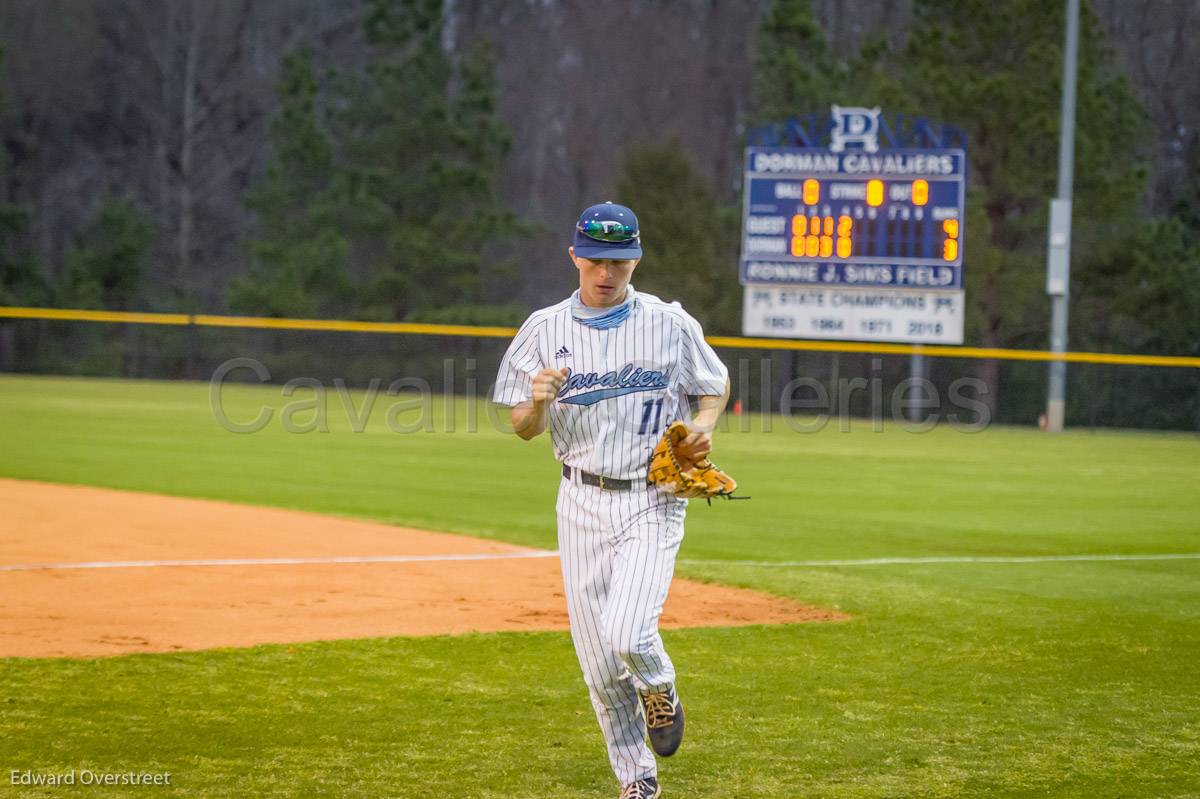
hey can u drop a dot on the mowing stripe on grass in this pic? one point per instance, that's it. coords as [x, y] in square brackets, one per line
[545, 553]
[955, 559]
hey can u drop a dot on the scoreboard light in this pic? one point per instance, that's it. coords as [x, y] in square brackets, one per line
[950, 245]
[812, 192]
[844, 227]
[874, 193]
[920, 192]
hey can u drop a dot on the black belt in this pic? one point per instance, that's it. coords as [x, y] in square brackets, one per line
[604, 483]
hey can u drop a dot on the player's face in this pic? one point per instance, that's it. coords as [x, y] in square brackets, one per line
[602, 283]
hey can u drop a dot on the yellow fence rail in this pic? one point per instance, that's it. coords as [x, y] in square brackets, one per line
[733, 342]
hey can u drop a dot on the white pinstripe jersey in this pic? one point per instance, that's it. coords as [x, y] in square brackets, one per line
[626, 383]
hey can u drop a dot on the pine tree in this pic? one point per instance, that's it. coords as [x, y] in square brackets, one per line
[1143, 291]
[21, 283]
[690, 240]
[995, 70]
[299, 252]
[796, 71]
[1186, 206]
[423, 151]
[106, 264]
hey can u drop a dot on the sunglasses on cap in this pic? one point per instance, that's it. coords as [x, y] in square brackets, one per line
[608, 231]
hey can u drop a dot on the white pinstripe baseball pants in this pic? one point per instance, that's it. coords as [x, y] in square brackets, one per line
[618, 556]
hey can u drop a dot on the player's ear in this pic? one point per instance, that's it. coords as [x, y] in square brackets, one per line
[574, 260]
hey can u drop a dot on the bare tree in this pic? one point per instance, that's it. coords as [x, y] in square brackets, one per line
[166, 103]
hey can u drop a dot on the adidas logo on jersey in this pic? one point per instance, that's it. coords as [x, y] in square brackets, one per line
[562, 352]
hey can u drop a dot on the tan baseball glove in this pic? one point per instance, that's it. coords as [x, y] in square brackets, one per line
[671, 471]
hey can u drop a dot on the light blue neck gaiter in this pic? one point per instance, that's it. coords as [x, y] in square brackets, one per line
[602, 318]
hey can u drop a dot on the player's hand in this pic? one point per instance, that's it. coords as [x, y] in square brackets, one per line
[546, 385]
[696, 446]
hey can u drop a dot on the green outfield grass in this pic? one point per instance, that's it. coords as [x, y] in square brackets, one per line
[1001, 679]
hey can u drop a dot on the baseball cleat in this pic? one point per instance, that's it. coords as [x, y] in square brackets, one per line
[664, 721]
[642, 789]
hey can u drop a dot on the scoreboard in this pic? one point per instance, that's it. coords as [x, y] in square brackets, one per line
[838, 224]
[806, 221]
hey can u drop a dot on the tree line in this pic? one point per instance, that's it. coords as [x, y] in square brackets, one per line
[993, 70]
[378, 199]
[378, 194]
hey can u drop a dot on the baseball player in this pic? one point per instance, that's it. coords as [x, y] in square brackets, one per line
[606, 371]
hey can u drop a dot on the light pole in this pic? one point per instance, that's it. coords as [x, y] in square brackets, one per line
[1058, 249]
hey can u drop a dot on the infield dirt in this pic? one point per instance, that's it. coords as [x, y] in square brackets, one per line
[62, 609]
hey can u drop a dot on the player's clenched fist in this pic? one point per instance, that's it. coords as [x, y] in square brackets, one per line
[547, 383]
[695, 447]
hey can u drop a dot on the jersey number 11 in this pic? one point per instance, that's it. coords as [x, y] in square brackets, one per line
[648, 407]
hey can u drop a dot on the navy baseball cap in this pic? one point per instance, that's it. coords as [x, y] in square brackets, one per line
[608, 230]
